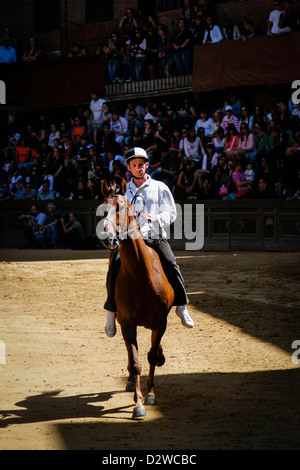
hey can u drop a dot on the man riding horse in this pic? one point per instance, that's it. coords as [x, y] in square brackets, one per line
[154, 207]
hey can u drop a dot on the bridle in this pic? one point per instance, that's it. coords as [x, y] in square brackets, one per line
[121, 231]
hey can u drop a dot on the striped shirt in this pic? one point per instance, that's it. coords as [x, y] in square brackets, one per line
[232, 120]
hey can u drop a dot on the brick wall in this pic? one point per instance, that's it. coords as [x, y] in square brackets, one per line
[97, 32]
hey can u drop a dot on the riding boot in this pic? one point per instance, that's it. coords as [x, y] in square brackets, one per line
[183, 313]
[110, 304]
[111, 279]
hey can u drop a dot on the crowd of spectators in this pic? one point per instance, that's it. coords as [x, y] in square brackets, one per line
[193, 151]
[142, 48]
[236, 151]
[227, 150]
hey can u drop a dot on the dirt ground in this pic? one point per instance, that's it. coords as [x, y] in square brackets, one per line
[228, 383]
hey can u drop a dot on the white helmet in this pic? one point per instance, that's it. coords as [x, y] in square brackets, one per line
[136, 152]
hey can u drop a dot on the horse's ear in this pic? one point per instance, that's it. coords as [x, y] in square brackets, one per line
[105, 188]
[123, 187]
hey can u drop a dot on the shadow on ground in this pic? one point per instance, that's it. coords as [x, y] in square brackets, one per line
[257, 410]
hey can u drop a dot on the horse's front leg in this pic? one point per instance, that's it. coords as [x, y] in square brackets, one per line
[135, 369]
[130, 381]
[155, 358]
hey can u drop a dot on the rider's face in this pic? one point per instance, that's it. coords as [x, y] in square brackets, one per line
[138, 167]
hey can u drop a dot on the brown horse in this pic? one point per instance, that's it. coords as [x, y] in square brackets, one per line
[143, 294]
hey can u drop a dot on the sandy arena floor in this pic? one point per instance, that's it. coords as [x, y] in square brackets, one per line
[229, 383]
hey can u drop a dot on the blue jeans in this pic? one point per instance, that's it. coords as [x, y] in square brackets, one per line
[138, 66]
[113, 68]
[27, 165]
[128, 71]
[183, 63]
[165, 63]
[105, 161]
[49, 237]
[229, 196]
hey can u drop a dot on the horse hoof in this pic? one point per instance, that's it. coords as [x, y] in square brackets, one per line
[139, 412]
[151, 400]
[161, 361]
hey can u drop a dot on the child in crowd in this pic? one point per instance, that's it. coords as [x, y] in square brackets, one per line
[249, 172]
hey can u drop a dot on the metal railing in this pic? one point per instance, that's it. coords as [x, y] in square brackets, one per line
[159, 86]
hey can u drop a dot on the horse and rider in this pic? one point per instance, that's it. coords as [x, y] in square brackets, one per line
[154, 206]
[143, 279]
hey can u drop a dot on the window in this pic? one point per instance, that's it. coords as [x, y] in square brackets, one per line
[166, 5]
[99, 10]
[46, 15]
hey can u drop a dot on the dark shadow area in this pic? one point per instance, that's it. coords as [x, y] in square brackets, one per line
[258, 293]
[257, 410]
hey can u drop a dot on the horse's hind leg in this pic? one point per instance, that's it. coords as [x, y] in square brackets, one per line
[135, 369]
[155, 358]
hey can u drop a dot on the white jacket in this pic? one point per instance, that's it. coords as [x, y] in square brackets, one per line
[155, 198]
[215, 34]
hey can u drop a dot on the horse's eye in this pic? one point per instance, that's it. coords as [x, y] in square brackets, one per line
[105, 214]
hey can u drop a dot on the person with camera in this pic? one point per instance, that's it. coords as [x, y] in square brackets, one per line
[49, 232]
[74, 234]
[31, 226]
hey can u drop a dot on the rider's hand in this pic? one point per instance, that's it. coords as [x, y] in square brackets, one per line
[149, 217]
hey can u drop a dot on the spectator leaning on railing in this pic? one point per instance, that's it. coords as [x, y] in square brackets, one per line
[7, 53]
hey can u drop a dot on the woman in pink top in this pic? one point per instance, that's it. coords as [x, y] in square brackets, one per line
[244, 144]
[231, 141]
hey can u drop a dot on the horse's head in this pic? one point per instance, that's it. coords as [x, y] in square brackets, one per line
[117, 219]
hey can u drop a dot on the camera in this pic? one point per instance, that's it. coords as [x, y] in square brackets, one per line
[22, 217]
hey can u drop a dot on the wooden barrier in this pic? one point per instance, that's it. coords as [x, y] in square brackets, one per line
[253, 225]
